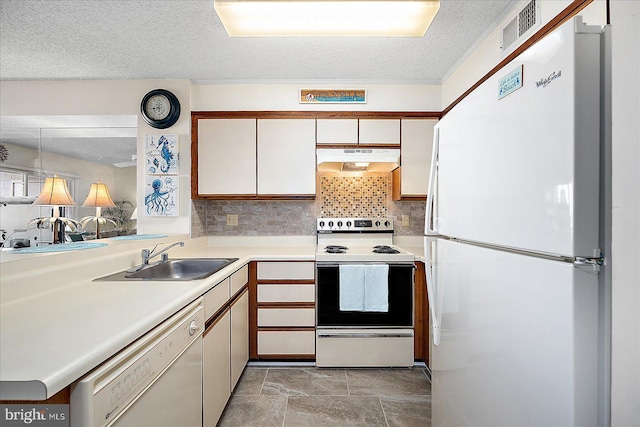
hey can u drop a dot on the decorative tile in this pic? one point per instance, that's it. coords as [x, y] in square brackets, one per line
[335, 411]
[341, 195]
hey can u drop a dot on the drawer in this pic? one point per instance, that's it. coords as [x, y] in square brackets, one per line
[286, 342]
[286, 317]
[286, 270]
[286, 293]
[215, 298]
[239, 279]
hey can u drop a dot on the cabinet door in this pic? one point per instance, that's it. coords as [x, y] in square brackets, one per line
[216, 388]
[380, 131]
[239, 337]
[227, 156]
[415, 151]
[337, 131]
[286, 156]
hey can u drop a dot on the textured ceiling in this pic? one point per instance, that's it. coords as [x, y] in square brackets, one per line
[183, 39]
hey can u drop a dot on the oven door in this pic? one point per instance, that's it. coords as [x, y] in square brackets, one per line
[399, 315]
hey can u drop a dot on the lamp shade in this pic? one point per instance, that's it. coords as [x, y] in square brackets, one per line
[98, 197]
[55, 192]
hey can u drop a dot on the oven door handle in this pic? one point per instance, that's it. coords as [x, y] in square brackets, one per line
[365, 335]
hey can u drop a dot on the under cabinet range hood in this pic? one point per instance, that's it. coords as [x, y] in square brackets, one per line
[357, 159]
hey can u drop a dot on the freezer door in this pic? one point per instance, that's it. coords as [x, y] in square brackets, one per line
[523, 171]
[518, 340]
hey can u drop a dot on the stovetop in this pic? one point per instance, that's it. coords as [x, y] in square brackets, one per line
[362, 253]
[358, 240]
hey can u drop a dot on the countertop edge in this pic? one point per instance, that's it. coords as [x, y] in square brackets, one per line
[43, 386]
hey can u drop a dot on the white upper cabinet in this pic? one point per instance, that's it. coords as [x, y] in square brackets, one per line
[380, 131]
[286, 156]
[337, 131]
[227, 156]
[415, 155]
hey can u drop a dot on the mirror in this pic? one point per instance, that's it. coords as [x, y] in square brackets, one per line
[81, 149]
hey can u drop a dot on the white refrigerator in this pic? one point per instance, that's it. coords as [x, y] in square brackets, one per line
[512, 242]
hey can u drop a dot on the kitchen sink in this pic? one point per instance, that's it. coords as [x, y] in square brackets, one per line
[173, 269]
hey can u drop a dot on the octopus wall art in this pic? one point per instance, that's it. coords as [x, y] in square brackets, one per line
[161, 195]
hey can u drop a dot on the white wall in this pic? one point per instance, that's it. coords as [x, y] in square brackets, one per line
[487, 54]
[107, 97]
[284, 97]
[625, 357]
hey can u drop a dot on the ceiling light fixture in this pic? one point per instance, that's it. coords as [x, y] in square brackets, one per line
[312, 18]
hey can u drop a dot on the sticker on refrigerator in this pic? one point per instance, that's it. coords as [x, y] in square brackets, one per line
[510, 83]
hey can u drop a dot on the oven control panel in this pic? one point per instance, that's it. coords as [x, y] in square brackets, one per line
[328, 225]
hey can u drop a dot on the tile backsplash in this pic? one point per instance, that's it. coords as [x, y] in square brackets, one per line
[338, 195]
[341, 196]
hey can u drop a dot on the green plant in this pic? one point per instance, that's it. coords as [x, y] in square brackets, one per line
[120, 214]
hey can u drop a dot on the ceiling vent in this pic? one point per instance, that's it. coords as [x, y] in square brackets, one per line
[520, 26]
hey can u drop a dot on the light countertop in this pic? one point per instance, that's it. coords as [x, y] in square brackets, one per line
[55, 336]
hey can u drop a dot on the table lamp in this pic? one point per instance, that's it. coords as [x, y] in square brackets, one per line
[98, 198]
[55, 193]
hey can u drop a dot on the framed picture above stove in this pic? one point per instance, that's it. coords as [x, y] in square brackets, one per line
[333, 96]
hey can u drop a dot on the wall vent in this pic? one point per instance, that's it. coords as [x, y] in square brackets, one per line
[520, 26]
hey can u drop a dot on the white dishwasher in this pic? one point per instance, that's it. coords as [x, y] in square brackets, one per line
[156, 381]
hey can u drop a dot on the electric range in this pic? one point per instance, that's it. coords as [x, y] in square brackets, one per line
[364, 295]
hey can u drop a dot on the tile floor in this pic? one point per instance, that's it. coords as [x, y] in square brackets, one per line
[311, 397]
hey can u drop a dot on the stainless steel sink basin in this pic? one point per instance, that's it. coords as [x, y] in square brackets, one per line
[174, 269]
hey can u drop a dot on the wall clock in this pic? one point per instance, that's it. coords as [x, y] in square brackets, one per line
[160, 108]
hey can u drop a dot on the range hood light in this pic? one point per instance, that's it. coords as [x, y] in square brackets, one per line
[312, 18]
[354, 166]
[357, 159]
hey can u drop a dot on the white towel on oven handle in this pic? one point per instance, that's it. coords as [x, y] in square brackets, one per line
[376, 287]
[351, 287]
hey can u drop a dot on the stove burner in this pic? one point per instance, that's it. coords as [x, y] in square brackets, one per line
[384, 249]
[335, 249]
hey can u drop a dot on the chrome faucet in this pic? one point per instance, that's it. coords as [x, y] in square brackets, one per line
[148, 254]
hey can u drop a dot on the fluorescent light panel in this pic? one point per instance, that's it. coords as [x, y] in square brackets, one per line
[308, 18]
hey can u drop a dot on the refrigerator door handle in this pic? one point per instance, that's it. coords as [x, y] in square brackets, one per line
[430, 228]
[435, 318]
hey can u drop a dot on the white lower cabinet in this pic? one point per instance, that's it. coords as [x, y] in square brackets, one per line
[239, 337]
[285, 305]
[225, 344]
[216, 369]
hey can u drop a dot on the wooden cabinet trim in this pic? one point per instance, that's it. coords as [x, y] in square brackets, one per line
[226, 306]
[291, 305]
[286, 281]
[197, 115]
[421, 315]
[215, 319]
[248, 196]
[301, 357]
